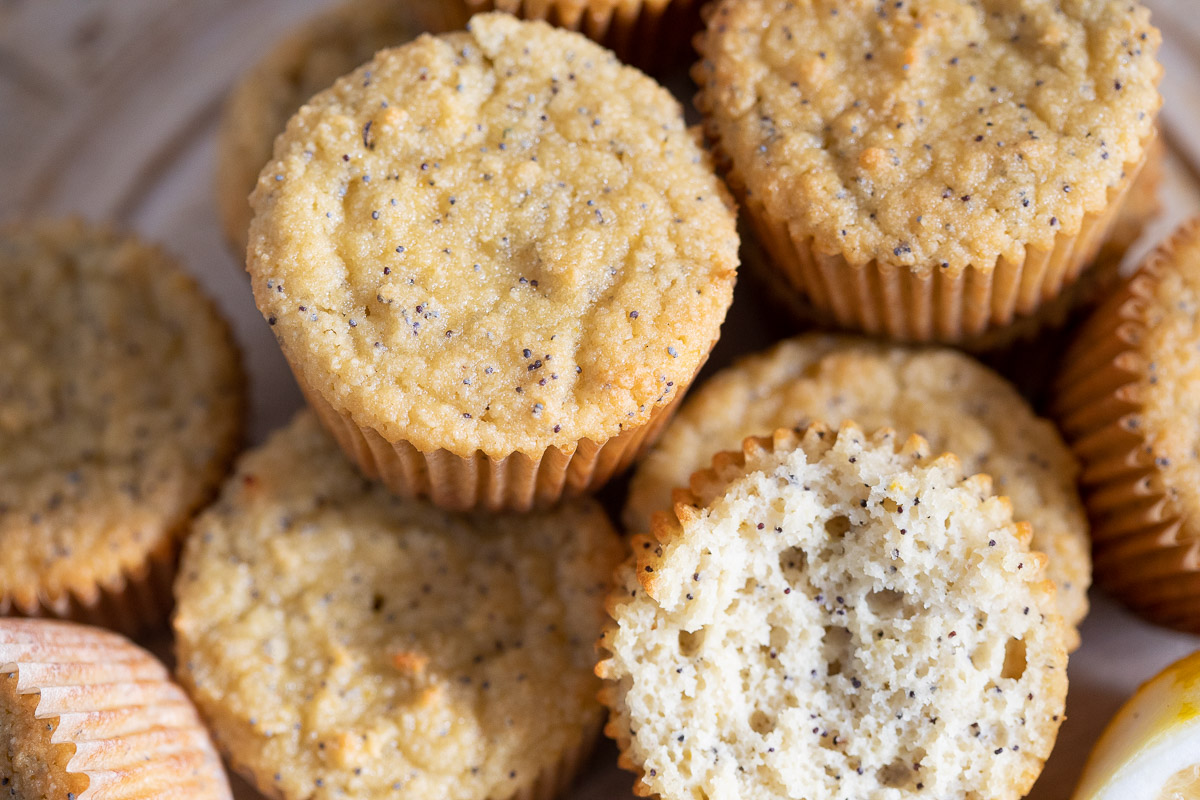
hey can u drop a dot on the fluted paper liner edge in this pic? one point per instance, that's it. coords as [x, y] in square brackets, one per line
[517, 482]
[653, 35]
[134, 601]
[933, 305]
[134, 733]
[1141, 550]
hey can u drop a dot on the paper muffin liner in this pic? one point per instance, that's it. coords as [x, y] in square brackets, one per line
[122, 723]
[133, 602]
[654, 35]
[517, 482]
[930, 305]
[1141, 550]
[1099, 276]
[1091, 284]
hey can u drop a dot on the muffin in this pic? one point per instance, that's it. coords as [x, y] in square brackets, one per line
[952, 401]
[305, 62]
[651, 34]
[833, 615]
[120, 411]
[342, 641]
[493, 259]
[1020, 348]
[1127, 398]
[1017, 349]
[87, 714]
[935, 169]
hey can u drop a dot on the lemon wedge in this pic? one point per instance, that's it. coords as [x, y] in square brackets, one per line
[1151, 748]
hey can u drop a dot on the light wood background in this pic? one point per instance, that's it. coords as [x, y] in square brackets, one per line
[108, 109]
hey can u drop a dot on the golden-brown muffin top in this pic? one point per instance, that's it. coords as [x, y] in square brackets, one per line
[499, 240]
[341, 639]
[930, 133]
[308, 60]
[120, 408]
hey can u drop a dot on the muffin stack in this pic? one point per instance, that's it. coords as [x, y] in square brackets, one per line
[495, 260]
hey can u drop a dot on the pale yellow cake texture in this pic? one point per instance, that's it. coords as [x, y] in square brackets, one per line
[120, 409]
[1169, 391]
[343, 642]
[930, 134]
[835, 615]
[308, 60]
[500, 241]
[32, 767]
[954, 402]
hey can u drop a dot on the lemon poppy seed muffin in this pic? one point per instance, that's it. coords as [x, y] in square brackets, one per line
[493, 259]
[121, 401]
[831, 615]
[929, 169]
[308, 60]
[1128, 397]
[949, 399]
[86, 714]
[1014, 344]
[342, 641]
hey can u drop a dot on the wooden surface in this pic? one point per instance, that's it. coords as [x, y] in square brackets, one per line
[108, 109]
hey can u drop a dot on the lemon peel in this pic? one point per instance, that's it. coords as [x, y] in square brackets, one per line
[1151, 747]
